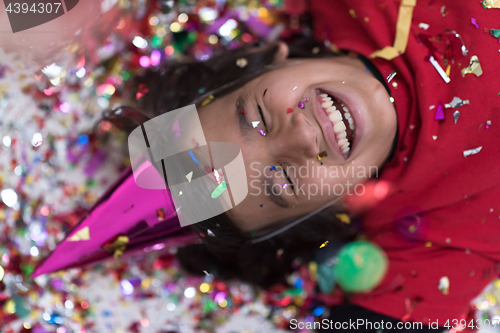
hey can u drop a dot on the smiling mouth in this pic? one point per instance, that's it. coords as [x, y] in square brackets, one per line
[341, 120]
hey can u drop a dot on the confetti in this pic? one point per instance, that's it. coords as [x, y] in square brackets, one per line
[306, 99]
[279, 253]
[344, 218]
[141, 91]
[284, 185]
[273, 168]
[440, 70]
[189, 176]
[456, 103]
[261, 132]
[82, 234]
[255, 123]
[424, 26]
[219, 190]
[402, 32]
[495, 33]
[473, 68]
[193, 157]
[289, 110]
[322, 155]
[241, 62]
[474, 23]
[294, 88]
[456, 114]
[243, 111]
[207, 100]
[488, 123]
[491, 4]
[434, 137]
[176, 128]
[439, 112]
[324, 244]
[301, 105]
[160, 214]
[391, 76]
[201, 90]
[444, 285]
[472, 151]
[210, 233]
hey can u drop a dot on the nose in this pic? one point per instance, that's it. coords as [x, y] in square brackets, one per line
[298, 140]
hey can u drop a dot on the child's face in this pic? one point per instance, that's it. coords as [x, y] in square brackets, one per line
[294, 139]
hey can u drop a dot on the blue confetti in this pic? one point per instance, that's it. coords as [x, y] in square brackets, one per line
[273, 168]
[83, 139]
[319, 311]
[194, 157]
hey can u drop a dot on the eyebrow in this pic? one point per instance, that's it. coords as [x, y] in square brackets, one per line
[277, 199]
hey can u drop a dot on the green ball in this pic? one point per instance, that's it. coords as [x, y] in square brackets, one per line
[360, 267]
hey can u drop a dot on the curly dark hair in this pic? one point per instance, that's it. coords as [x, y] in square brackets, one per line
[229, 254]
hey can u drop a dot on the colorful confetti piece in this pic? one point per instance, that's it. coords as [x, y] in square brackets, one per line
[289, 110]
[255, 123]
[324, 244]
[473, 68]
[261, 132]
[219, 190]
[472, 151]
[322, 155]
[193, 157]
[241, 62]
[439, 112]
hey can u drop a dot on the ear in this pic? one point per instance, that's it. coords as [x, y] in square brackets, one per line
[282, 52]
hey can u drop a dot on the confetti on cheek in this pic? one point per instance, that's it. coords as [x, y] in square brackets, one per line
[301, 105]
[306, 99]
[243, 111]
[284, 185]
[261, 132]
[294, 88]
[273, 168]
[289, 110]
[472, 151]
[322, 155]
[255, 123]
[261, 205]
[474, 23]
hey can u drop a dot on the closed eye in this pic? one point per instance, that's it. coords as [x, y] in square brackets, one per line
[262, 117]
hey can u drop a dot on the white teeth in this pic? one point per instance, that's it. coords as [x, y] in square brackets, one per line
[342, 142]
[335, 116]
[339, 127]
[327, 104]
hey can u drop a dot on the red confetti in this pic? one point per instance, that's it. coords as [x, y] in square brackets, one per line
[289, 110]
[243, 111]
[141, 91]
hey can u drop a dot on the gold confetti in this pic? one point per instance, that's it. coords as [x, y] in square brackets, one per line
[353, 13]
[82, 234]
[428, 244]
[117, 246]
[402, 32]
[473, 68]
[344, 218]
[321, 155]
[207, 100]
[324, 244]
[444, 285]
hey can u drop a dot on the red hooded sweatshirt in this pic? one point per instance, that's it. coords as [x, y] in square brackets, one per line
[442, 221]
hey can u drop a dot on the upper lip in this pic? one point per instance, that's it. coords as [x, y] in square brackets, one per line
[326, 126]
